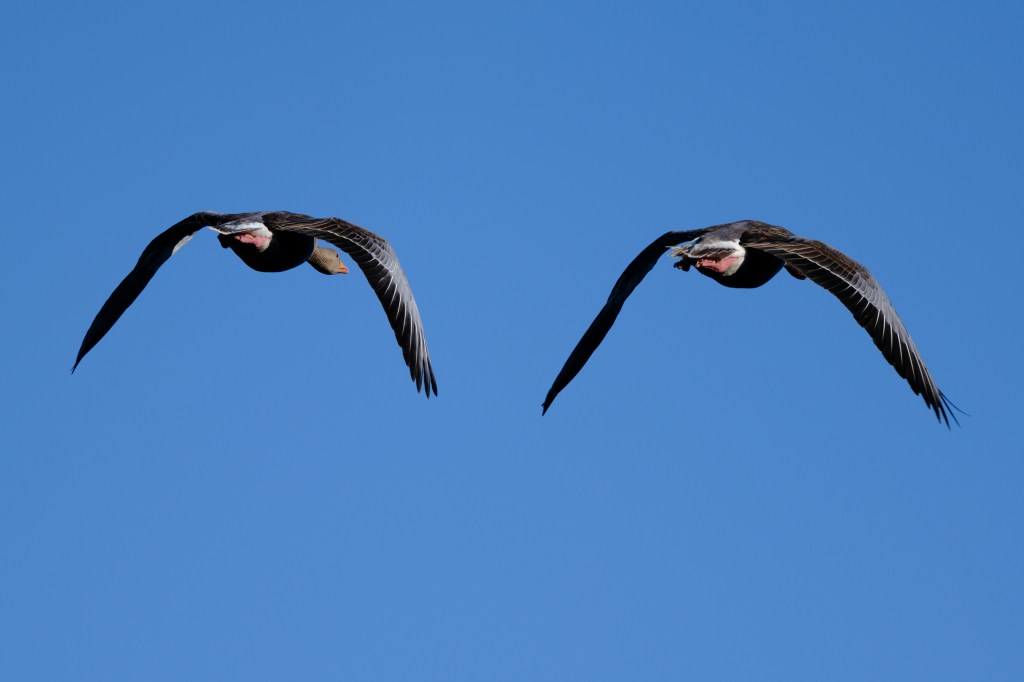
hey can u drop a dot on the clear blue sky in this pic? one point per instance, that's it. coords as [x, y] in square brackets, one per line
[241, 483]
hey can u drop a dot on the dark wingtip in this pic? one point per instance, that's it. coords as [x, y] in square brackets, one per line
[948, 409]
[426, 383]
[428, 388]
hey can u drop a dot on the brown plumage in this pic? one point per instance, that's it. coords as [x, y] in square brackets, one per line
[747, 254]
[273, 241]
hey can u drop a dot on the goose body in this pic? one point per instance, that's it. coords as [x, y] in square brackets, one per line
[274, 241]
[748, 254]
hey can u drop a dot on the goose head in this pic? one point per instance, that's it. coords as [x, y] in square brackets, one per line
[327, 261]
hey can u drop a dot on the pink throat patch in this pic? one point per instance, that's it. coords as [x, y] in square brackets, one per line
[718, 266]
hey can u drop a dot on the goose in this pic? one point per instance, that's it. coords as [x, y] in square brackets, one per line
[746, 254]
[274, 241]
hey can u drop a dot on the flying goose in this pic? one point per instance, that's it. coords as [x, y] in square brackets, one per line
[274, 241]
[746, 254]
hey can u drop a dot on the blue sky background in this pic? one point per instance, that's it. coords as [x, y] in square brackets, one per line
[240, 481]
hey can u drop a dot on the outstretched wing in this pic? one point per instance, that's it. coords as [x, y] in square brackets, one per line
[629, 280]
[861, 293]
[156, 254]
[375, 257]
